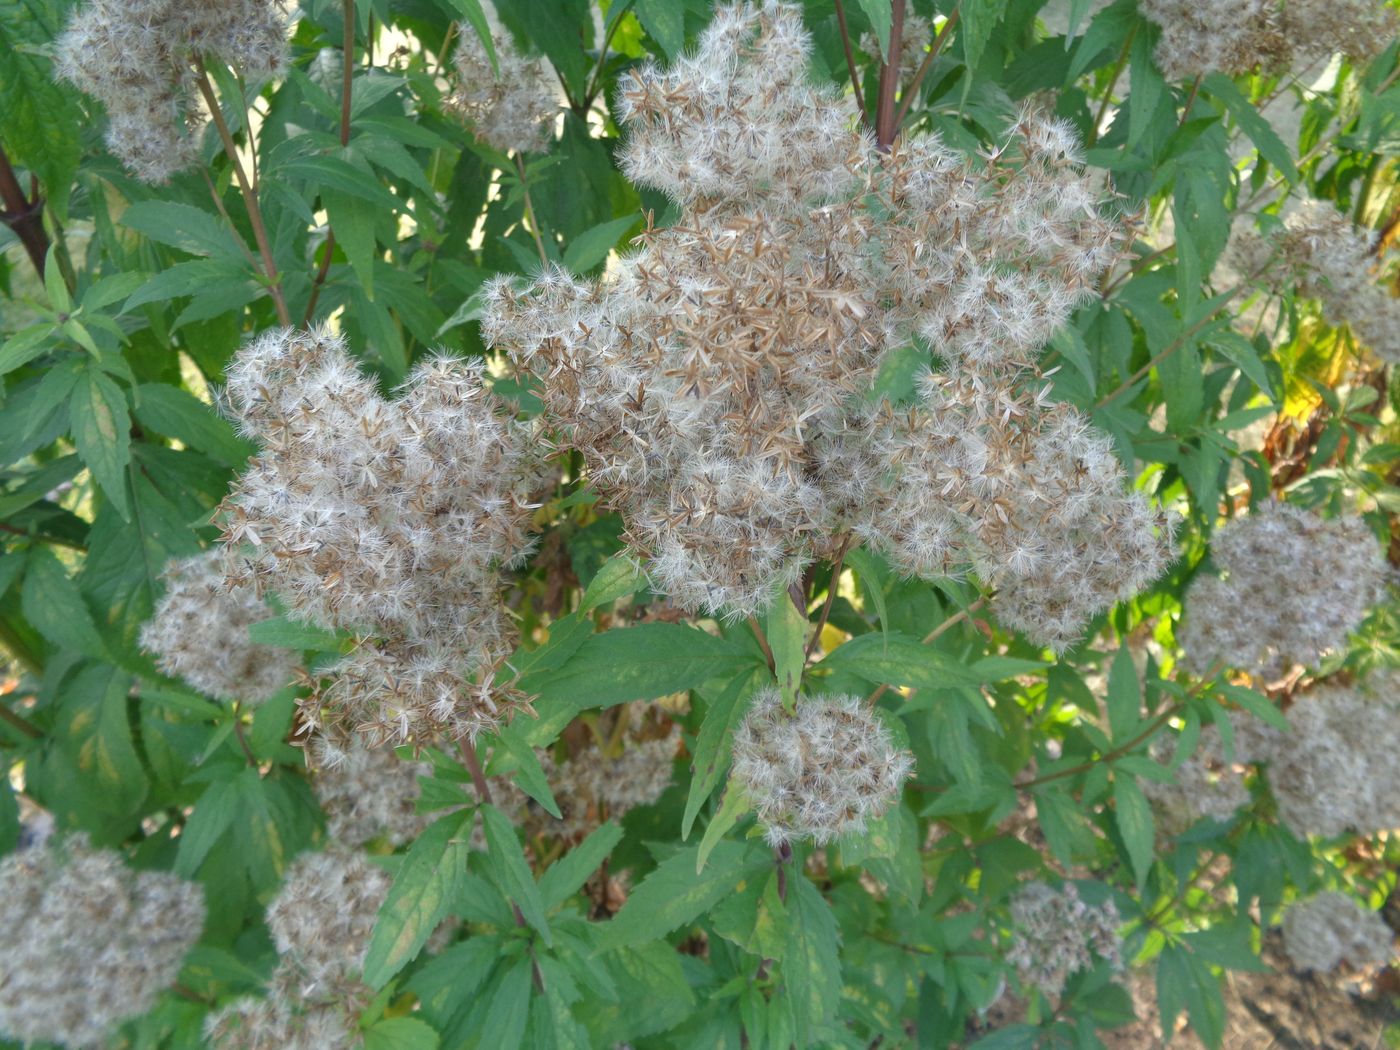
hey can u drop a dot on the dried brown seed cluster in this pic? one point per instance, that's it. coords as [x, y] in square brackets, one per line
[390, 518]
[368, 793]
[511, 106]
[714, 382]
[1326, 930]
[1057, 934]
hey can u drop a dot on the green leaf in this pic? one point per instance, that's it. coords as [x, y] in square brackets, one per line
[1259, 706]
[476, 18]
[786, 628]
[1183, 980]
[529, 774]
[182, 226]
[52, 605]
[212, 816]
[419, 898]
[713, 744]
[510, 871]
[664, 22]
[619, 577]
[353, 224]
[898, 659]
[1124, 697]
[93, 723]
[102, 432]
[591, 247]
[881, 15]
[1253, 123]
[400, 1033]
[676, 893]
[1146, 88]
[179, 414]
[283, 633]
[1067, 829]
[509, 1011]
[39, 120]
[979, 17]
[736, 803]
[566, 875]
[1134, 818]
[811, 964]
[25, 345]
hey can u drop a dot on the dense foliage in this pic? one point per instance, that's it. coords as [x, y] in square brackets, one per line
[576, 523]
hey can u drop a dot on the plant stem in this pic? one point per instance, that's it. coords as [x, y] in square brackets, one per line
[595, 81]
[250, 197]
[473, 764]
[25, 216]
[912, 91]
[1190, 99]
[530, 211]
[851, 61]
[836, 567]
[885, 126]
[248, 256]
[347, 50]
[762, 642]
[243, 740]
[1112, 83]
[21, 723]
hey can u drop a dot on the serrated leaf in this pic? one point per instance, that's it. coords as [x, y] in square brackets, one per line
[1185, 981]
[592, 246]
[25, 345]
[182, 226]
[736, 803]
[881, 15]
[566, 875]
[353, 224]
[786, 628]
[52, 604]
[283, 633]
[213, 815]
[675, 893]
[712, 745]
[510, 872]
[102, 433]
[619, 577]
[1253, 123]
[419, 898]
[529, 775]
[898, 659]
[664, 22]
[400, 1033]
[1124, 697]
[1133, 815]
[509, 1009]
[179, 414]
[811, 963]
[39, 119]
[476, 18]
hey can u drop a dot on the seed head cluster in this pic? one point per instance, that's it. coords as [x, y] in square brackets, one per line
[1256, 616]
[717, 381]
[321, 921]
[1335, 772]
[819, 772]
[89, 942]
[1326, 930]
[389, 518]
[1326, 257]
[139, 57]
[367, 793]
[1204, 785]
[199, 632]
[512, 106]
[1200, 37]
[1056, 934]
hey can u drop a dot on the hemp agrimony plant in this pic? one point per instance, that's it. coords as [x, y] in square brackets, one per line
[825, 523]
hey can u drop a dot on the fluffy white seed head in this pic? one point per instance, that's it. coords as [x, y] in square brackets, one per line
[137, 57]
[89, 942]
[322, 917]
[199, 632]
[391, 518]
[1056, 934]
[1324, 931]
[819, 772]
[1204, 785]
[512, 106]
[367, 793]
[1291, 586]
[714, 381]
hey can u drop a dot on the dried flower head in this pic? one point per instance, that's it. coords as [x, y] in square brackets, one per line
[139, 58]
[1330, 259]
[199, 632]
[715, 381]
[282, 1022]
[819, 772]
[89, 941]
[1204, 785]
[1056, 934]
[390, 518]
[913, 44]
[511, 106]
[1335, 770]
[1200, 37]
[367, 792]
[1291, 587]
[1326, 930]
[322, 917]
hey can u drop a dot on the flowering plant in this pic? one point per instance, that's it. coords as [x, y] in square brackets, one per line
[796, 523]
